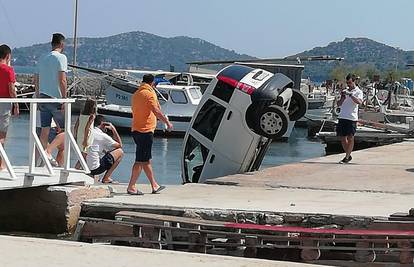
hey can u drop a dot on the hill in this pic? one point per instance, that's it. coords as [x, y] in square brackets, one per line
[358, 52]
[138, 50]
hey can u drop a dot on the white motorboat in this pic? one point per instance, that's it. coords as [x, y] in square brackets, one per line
[178, 103]
[320, 102]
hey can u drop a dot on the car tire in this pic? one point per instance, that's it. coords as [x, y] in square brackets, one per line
[272, 122]
[298, 105]
[336, 111]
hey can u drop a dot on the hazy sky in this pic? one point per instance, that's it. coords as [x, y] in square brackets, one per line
[267, 28]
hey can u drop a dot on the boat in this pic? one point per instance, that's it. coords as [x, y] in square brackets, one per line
[24, 90]
[176, 78]
[320, 102]
[177, 102]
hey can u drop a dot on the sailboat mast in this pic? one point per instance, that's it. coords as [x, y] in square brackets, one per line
[75, 42]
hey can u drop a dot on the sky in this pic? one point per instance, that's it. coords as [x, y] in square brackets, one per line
[266, 28]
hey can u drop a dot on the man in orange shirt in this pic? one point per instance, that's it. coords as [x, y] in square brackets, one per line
[145, 111]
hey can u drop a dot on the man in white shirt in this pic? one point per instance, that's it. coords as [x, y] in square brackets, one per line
[105, 153]
[348, 117]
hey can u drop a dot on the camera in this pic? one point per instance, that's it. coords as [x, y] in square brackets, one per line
[107, 128]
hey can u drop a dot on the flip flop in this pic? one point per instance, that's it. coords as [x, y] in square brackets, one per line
[158, 190]
[137, 193]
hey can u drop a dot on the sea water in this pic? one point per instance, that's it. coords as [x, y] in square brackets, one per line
[166, 152]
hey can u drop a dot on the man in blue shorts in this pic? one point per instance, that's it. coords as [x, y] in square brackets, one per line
[348, 117]
[50, 82]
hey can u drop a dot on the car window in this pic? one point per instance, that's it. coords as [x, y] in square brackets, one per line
[209, 118]
[178, 97]
[223, 91]
[195, 93]
[195, 155]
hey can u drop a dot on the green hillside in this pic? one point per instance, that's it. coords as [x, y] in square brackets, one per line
[132, 50]
[140, 50]
[358, 52]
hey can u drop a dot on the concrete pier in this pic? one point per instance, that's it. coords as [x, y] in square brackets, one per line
[35, 252]
[375, 185]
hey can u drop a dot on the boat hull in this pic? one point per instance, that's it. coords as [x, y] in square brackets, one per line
[122, 117]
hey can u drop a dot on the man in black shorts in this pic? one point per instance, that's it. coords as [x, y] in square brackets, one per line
[105, 152]
[348, 117]
[145, 111]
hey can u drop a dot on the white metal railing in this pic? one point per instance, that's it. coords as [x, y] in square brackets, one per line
[34, 141]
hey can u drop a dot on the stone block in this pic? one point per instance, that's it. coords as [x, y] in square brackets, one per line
[45, 209]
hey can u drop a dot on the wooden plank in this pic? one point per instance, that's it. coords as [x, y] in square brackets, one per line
[384, 126]
[401, 216]
[307, 254]
[265, 235]
[151, 234]
[406, 257]
[96, 229]
[155, 239]
[295, 229]
[166, 218]
[197, 242]
[252, 242]
[366, 254]
[168, 235]
[392, 224]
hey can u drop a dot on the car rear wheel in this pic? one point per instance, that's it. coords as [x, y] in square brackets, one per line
[273, 122]
[298, 105]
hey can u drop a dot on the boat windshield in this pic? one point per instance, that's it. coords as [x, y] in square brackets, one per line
[195, 93]
[178, 97]
[195, 155]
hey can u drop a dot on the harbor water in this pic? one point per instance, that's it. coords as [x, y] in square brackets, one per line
[166, 152]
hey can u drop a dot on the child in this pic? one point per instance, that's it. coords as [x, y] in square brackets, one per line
[7, 90]
[83, 128]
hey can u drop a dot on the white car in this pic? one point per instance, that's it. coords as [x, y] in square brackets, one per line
[240, 113]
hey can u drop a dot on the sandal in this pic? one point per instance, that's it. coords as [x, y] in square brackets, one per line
[158, 190]
[110, 181]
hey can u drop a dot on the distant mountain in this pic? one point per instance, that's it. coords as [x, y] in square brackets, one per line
[138, 50]
[357, 52]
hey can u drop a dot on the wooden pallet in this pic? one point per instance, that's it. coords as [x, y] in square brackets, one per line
[195, 235]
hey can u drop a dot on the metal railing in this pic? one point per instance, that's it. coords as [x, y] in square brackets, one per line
[34, 141]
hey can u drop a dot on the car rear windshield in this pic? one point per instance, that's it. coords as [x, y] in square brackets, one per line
[223, 91]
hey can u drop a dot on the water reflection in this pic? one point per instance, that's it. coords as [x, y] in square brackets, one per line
[166, 152]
